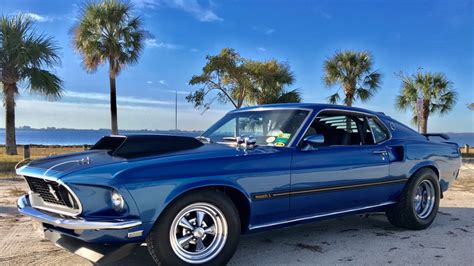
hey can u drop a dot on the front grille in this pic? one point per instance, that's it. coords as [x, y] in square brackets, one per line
[51, 192]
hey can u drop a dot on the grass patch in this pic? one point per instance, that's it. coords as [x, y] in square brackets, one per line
[8, 162]
[466, 154]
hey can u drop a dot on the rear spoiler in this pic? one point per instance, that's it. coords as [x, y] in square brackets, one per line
[444, 136]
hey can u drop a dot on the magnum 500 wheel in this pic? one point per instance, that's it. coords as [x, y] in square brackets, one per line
[202, 227]
[418, 203]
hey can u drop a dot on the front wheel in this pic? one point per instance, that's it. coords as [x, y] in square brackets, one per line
[418, 203]
[202, 227]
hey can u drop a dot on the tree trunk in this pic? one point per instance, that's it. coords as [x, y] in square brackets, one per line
[10, 136]
[424, 117]
[424, 125]
[240, 100]
[349, 94]
[113, 105]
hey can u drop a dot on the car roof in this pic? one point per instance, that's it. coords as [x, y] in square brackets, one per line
[313, 106]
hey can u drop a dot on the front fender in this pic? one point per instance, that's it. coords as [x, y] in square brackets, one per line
[155, 197]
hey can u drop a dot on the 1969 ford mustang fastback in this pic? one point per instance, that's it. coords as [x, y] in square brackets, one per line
[257, 168]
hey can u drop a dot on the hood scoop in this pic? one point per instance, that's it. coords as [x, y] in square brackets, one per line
[135, 146]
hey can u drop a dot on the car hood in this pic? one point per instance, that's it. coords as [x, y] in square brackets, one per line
[56, 166]
[62, 165]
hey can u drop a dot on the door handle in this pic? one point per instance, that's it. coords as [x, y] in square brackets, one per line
[381, 152]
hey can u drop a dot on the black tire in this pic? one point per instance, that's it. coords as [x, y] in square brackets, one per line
[158, 241]
[403, 214]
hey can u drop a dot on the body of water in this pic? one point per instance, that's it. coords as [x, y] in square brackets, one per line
[79, 137]
[76, 137]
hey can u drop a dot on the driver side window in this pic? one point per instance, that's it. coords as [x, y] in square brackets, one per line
[341, 128]
[338, 129]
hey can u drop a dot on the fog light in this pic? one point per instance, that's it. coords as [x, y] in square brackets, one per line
[117, 200]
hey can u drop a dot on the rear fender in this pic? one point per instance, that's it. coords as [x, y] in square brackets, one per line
[431, 164]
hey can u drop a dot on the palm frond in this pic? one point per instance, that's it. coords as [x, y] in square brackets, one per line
[364, 94]
[293, 96]
[27, 57]
[447, 101]
[333, 99]
[44, 83]
[372, 81]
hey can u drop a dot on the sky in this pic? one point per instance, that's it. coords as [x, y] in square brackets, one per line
[402, 35]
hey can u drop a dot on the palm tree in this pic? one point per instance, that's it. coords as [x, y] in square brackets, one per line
[269, 82]
[353, 72]
[25, 57]
[107, 31]
[434, 92]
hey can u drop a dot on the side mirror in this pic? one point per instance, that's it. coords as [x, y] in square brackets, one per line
[313, 140]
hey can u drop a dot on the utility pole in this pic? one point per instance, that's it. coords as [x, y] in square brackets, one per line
[176, 111]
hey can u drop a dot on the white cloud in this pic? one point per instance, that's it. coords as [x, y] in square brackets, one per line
[262, 49]
[34, 17]
[149, 82]
[162, 82]
[146, 3]
[121, 100]
[193, 50]
[154, 43]
[264, 30]
[174, 91]
[193, 7]
[324, 14]
[269, 31]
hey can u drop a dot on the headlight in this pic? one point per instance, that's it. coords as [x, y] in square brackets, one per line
[117, 200]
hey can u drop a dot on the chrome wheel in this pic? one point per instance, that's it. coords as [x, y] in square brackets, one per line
[425, 198]
[198, 233]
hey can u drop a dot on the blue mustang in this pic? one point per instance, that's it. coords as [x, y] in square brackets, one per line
[257, 168]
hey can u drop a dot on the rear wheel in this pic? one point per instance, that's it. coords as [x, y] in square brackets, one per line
[418, 203]
[202, 227]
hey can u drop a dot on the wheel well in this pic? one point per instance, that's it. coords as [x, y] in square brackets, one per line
[434, 169]
[239, 199]
[429, 167]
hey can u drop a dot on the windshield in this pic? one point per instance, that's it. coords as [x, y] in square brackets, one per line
[269, 127]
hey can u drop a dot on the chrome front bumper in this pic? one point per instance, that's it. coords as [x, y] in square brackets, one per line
[25, 208]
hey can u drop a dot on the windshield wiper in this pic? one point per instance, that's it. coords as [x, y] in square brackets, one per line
[234, 139]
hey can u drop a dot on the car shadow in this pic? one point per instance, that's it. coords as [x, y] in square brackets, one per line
[338, 240]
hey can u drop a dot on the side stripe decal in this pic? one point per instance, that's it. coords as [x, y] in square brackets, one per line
[271, 195]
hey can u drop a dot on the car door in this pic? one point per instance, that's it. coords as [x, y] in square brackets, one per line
[345, 173]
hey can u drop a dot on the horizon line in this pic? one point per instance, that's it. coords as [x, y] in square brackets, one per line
[170, 130]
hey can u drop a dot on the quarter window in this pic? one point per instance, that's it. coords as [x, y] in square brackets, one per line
[378, 131]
